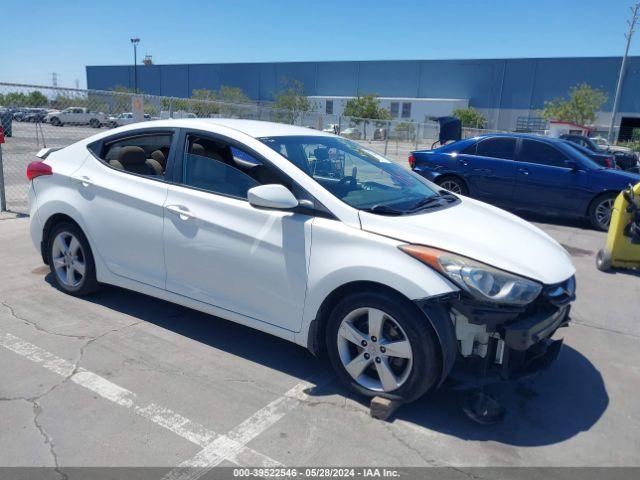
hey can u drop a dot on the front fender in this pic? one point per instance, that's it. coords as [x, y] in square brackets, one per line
[341, 255]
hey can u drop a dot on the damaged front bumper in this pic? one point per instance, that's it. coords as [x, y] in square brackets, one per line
[495, 342]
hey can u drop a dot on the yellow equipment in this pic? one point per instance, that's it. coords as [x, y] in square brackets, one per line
[622, 248]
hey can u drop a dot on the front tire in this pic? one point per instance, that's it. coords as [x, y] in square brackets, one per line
[71, 261]
[55, 121]
[600, 211]
[94, 123]
[380, 344]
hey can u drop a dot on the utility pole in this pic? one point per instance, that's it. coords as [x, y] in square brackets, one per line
[632, 23]
[134, 42]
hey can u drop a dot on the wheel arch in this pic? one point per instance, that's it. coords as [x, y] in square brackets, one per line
[591, 203]
[51, 222]
[433, 313]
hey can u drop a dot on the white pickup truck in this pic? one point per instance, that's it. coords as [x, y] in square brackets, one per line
[76, 116]
[125, 119]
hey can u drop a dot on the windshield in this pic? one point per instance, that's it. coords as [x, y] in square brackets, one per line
[359, 177]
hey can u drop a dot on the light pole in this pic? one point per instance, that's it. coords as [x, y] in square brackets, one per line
[623, 67]
[134, 42]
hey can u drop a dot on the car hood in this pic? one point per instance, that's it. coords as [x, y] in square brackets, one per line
[625, 178]
[482, 232]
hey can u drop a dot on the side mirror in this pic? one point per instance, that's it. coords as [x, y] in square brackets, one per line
[572, 164]
[273, 196]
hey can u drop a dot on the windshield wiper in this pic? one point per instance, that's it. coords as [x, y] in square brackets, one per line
[448, 195]
[384, 210]
[426, 202]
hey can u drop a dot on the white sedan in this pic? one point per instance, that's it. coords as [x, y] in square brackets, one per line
[307, 236]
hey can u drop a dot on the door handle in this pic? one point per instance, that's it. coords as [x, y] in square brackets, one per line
[182, 212]
[523, 171]
[83, 180]
[463, 162]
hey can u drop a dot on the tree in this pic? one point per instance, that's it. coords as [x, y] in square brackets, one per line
[205, 104]
[291, 102]
[581, 107]
[19, 99]
[232, 98]
[364, 109]
[470, 117]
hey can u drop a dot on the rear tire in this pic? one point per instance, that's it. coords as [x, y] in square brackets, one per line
[94, 123]
[600, 211]
[453, 184]
[380, 344]
[71, 260]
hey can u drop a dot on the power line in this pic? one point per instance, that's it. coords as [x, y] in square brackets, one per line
[616, 102]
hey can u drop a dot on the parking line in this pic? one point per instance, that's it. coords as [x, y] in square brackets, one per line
[232, 443]
[233, 450]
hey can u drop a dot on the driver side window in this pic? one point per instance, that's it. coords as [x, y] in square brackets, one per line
[217, 167]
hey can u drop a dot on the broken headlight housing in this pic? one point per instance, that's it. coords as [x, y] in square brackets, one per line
[481, 281]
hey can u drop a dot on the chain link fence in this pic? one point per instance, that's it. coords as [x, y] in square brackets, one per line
[34, 117]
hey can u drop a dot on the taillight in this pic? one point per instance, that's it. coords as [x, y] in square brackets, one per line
[37, 169]
[412, 161]
[608, 162]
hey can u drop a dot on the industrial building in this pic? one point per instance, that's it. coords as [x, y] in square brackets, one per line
[508, 92]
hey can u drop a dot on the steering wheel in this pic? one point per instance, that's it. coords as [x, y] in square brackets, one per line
[349, 182]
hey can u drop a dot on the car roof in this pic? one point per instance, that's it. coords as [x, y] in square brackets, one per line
[529, 136]
[253, 128]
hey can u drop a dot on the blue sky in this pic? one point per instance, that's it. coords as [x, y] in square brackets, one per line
[39, 37]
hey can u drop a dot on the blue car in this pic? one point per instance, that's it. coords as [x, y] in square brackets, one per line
[526, 172]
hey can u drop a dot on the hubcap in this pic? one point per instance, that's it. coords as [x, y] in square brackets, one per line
[603, 212]
[452, 186]
[68, 259]
[374, 350]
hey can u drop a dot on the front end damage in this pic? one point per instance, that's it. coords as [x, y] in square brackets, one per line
[495, 342]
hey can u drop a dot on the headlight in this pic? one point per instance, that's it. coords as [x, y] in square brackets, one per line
[483, 282]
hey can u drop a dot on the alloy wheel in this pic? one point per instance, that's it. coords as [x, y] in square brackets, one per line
[603, 213]
[68, 260]
[452, 186]
[374, 349]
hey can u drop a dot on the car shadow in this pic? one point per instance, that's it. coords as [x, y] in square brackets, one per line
[548, 408]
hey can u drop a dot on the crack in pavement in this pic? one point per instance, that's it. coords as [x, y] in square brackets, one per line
[38, 326]
[48, 440]
[432, 463]
[605, 329]
[35, 400]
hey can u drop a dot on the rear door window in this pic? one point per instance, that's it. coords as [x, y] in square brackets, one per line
[140, 154]
[503, 148]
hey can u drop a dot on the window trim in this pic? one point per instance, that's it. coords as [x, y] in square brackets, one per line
[100, 144]
[410, 105]
[326, 107]
[317, 210]
[391, 104]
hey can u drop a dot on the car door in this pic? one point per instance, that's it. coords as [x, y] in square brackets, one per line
[222, 251]
[544, 180]
[490, 170]
[122, 204]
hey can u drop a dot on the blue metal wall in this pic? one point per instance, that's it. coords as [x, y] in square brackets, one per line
[511, 83]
